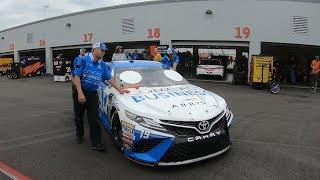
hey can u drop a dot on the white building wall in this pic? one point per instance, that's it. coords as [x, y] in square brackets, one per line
[269, 21]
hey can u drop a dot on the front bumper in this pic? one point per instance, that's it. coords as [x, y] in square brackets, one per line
[189, 152]
[194, 160]
[185, 147]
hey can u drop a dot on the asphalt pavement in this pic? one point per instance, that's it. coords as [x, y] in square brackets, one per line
[274, 136]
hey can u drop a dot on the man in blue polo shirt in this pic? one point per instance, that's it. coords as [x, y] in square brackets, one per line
[78, 108]
[171, 60]
[88, 73]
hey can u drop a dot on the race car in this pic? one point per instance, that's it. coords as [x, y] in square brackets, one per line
[164, 120]
[212, 67]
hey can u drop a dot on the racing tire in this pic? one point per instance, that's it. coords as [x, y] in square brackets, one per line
[116, 130]
[13, 75]
[67, 79]
[275, 88]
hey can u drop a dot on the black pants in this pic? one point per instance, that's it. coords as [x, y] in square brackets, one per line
[91, 105]
[315, 79]
[78, 110]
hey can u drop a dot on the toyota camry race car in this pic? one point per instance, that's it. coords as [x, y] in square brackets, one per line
[164, 120]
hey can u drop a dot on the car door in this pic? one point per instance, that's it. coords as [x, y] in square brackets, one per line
[105, 93]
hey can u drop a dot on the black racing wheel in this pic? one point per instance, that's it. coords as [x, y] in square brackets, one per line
[116, 129]
[67, 79]
[275, 88]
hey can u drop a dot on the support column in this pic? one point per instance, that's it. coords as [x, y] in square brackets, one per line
[165, 42]
[16, 56]
[49, 65]
[255, 49]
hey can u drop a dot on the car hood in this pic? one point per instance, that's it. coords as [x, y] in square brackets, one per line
[182, 103]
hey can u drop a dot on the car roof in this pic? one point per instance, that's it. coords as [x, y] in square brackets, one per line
[134, 64]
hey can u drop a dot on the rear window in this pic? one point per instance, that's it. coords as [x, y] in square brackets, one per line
[210, 62]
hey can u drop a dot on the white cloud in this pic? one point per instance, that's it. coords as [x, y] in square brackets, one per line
[17, 12]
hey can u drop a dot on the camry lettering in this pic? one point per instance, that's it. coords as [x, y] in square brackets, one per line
[207, 136]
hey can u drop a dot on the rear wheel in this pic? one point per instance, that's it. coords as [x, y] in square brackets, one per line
[67, 79]
[117, 130]
[275, 88]
[13, 75]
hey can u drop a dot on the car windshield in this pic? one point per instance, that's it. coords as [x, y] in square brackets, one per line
[211, 62]
[150, 77]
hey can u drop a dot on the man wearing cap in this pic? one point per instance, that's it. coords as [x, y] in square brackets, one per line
[78, 108]
[88, 73]
[171, 60]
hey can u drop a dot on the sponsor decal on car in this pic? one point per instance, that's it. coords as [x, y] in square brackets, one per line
[127, 125]
[127, 141]
[127, 135]
[155, 94]
[127, 147]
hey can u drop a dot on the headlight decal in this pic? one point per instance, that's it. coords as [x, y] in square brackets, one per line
[143, 121]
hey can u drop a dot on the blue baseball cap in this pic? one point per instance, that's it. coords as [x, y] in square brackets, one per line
[99, 45]
[82, 50]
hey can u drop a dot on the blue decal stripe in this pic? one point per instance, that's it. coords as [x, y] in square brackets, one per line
[154, 155]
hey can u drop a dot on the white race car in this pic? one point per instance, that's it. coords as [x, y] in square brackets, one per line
[212, 67]
[164, 120]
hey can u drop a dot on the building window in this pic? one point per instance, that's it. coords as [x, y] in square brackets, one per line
[300, 25]
[127, 26]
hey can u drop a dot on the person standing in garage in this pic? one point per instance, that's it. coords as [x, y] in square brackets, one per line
[78, 108]
[156, 56]
[171, 60]
[119, 55]
[88, 73]
[315, 65]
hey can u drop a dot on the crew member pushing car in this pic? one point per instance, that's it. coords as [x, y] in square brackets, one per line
[88, 73]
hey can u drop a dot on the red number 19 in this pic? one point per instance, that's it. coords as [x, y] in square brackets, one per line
[246, 31]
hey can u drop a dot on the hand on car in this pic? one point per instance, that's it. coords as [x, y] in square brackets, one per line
[123, 90]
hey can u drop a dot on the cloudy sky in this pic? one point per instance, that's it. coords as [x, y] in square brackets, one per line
[17, 12]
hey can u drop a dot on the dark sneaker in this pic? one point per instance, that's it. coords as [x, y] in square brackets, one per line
[97, 147]
[79, 139]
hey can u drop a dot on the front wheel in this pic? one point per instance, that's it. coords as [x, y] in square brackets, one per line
[13, 75]
[275, 88]
[67, 79]
[117, 130]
